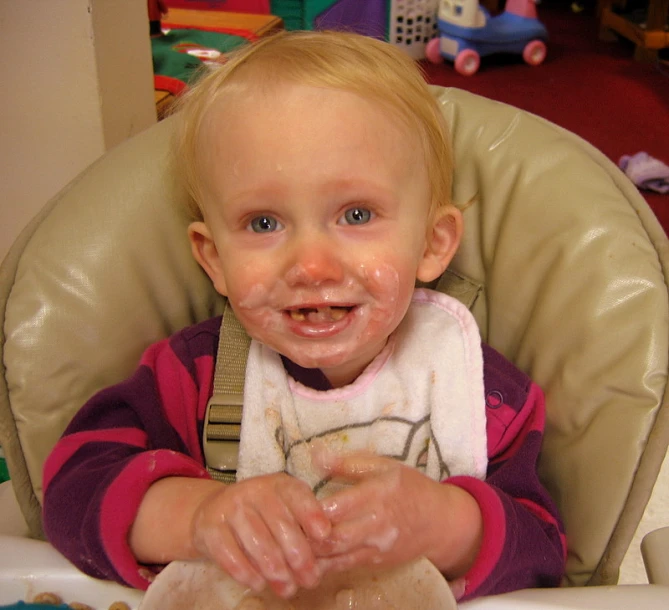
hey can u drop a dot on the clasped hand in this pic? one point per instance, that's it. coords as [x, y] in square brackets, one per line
[272, 529]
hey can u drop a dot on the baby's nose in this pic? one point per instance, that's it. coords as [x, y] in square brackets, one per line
[314, 262]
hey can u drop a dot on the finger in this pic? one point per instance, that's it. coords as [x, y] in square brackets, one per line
[283, 589]
[350, 502]
[226, 552]
[348, 561]
[307, 511]
[365, 531]
[260, 547]
[296, 550]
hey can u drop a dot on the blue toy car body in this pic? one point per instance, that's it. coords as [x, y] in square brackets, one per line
[468, 32]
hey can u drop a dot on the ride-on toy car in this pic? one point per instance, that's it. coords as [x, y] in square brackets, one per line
[468, 32]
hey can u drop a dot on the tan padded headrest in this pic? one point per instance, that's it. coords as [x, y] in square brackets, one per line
[572, 261]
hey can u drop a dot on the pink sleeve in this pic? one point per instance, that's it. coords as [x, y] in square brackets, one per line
[121, 502]
[523, 542]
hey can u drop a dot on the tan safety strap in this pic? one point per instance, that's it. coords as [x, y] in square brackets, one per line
[460, 287]
[223, 418]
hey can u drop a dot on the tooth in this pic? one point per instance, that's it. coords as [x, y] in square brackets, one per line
[298, 316]
[337, 313]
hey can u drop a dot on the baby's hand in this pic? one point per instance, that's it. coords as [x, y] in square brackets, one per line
[261, 530]
[393, 514]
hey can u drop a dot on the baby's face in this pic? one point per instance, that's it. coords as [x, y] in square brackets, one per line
[317, 202]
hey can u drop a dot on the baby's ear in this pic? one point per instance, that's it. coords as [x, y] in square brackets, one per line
[443, 239]
[205, 252]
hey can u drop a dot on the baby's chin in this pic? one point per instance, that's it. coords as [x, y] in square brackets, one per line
[341, 368]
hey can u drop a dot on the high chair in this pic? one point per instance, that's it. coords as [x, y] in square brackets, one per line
[563, 265]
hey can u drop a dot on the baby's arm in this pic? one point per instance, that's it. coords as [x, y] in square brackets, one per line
[128, 472]
[393, 514]
[259, 530]
[524, 544]
[116, 447]
[492, 536]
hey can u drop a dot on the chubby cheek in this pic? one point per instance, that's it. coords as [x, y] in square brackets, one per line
[252, 306]
[390, 288]
[249, 291]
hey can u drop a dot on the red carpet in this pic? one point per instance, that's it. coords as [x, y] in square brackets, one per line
[595, 89]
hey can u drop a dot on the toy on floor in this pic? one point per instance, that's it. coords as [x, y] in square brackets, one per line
[646, 172]
[468, 32]
[408, 24]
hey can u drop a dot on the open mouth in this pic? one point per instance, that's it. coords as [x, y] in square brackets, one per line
[319, 314]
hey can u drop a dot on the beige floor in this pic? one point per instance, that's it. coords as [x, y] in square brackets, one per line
[656, 516]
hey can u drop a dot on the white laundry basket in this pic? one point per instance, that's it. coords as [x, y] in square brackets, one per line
[412, 24]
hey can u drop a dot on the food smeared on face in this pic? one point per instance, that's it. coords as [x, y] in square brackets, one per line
[320, 229]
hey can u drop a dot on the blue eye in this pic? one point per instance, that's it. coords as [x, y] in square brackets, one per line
[357, 216]
[263, 224]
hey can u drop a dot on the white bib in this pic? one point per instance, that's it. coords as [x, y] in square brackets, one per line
[421, 401]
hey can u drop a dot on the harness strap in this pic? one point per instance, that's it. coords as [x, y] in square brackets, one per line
[460, 287]
[223, 418]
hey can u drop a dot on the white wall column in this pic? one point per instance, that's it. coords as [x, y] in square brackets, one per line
[77, 79]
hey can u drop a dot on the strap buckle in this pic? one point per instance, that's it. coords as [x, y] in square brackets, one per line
[222, 428]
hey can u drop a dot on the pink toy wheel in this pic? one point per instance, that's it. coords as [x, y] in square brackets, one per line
[534, 52]
[467, 62]
[433, 52]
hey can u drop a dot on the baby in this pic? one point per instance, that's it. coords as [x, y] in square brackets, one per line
[320, 170]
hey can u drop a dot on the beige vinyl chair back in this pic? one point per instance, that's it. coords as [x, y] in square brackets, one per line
[572, 262]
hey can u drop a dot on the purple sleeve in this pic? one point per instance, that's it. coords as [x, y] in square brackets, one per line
[523, 538]
[124, 439]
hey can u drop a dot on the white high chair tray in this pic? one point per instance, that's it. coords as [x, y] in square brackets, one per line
[28, 567]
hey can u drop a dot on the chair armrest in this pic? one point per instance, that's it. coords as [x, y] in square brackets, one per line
[655, 553]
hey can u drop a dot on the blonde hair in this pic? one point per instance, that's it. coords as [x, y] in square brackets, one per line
[370, 68]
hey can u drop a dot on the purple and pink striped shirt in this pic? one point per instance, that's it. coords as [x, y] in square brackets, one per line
[150, 426]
